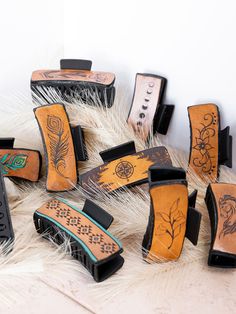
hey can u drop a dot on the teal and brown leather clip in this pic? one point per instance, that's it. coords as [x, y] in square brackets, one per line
[86, 230]
[172, 215]
[123, 167]
[210, 146]
[19, 162]
[76, 78]
[64, 146]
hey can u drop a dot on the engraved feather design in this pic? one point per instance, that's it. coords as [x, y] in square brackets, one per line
[59, 145]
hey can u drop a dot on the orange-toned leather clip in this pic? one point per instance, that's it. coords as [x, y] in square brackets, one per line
[147, 113]
[221, 203]
[87, 233]
[19, 162]
[123, 167]
[210, 146]
[63, 145]
[172, 215]
[76, 77]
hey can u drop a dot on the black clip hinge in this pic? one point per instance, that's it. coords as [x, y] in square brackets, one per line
[98, 214]
[118, 151]
[79, 143]
[225, 147]
[75, 64]
[7, 142]
[193, 220]
[162, 118]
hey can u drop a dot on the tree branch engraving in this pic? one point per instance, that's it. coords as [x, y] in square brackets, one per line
[172, 222]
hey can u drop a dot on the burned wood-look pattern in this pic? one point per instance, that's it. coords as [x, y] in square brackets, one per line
[20, 163]
[59, 148]
[126, 171]
[169, 205]
[204, 150]
[104, 78]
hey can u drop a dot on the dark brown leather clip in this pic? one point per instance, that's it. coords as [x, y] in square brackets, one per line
[147, 113]
[76, 77]
[172, 215]
[64, 147]
[19, 162]
[86, 230]
[210, 146]
[123, 167]
[221, 203]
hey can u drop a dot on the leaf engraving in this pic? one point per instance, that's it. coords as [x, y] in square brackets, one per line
[171, 223]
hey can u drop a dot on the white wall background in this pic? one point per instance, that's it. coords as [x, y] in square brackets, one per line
[192, 43]
[31, 34]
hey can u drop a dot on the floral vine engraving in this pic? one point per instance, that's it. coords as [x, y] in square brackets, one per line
[227, 205]
[203, 146]
[58, 143]
[12, 162]
[172, 223]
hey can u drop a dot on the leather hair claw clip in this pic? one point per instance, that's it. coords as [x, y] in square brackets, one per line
[86, 230]
[123, 167]
[19, 162]
[147, 113]
[210, 146]
[64, 146]
[6, 230]
[172, 215]
[75, 76]
[221, 203]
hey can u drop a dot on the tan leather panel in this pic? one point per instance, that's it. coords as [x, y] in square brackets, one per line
[104, 78]
[144, 106]
[225, 198]
[59, 147]
[170, 205]
[204, 123]
[100, 243]
[21, 163]
[125, 170]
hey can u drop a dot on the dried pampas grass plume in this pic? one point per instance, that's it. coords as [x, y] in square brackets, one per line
[158, 287]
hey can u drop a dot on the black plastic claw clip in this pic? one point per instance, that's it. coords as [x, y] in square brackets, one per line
[75, 78]
[6, 230]
[123, 167]
[147, 113]
[221, 204]
[86, 230]
[210, 146]
[172, 215]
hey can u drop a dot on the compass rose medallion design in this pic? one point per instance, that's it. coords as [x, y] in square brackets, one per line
[124, 170]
